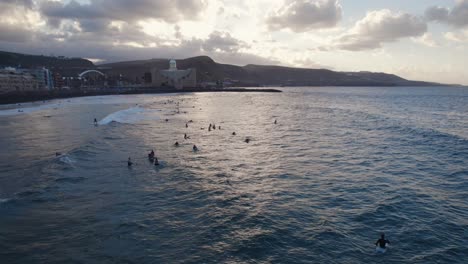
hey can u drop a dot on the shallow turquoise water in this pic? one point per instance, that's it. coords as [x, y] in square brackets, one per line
[341, 166]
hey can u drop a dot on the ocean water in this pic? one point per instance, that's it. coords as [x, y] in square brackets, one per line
[340, 166]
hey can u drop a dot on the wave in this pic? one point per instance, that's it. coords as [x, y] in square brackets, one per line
[66, 159]
[4, 201]
[130, 116]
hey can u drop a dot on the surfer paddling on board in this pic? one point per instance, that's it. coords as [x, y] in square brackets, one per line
[382, 243]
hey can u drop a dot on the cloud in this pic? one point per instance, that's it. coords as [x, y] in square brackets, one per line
[123, 10]
[22, 3]
[222, 42]
[460, 36]
[427, 39]
[128, 42]
[14, 33]
[456, 17]
[379, 27]
[17, 20]
[306, 15]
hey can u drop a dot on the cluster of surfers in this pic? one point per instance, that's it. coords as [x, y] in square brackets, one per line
[152, 156]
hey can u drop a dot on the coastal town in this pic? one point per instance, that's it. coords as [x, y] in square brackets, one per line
[37, 79]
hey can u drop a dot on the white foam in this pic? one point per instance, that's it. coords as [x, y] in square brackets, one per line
[130, 116]
[4, 200]
[66, 159]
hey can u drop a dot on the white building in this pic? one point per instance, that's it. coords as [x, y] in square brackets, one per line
[174, 77]
[15, 81]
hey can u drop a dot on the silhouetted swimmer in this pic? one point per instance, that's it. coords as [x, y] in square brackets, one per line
[129, 162]
[247, 140]
[233, 133]
[167, 120]
[58, 154]
[382, 242]
[219, 127]
[176, 144]
[195, 148]
[209, 129]
[275, 122]
[151, 155]
[214, 126]
[95, 121]
[156, 161]
[191, 121]
[186, 125]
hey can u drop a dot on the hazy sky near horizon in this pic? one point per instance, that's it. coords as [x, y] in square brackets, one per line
[417, 39]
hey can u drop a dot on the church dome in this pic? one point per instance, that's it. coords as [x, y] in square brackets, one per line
[172, 65]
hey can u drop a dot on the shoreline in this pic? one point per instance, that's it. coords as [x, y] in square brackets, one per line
[24, 97]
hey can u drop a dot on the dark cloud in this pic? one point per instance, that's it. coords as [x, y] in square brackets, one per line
[220, 46]
[457, 16]
[222, 41]
[14, 33]
[123, 10]
[8, 7]
[306, 15]
[94, 25]
[23, 3]
[379, 27]
[437, 13]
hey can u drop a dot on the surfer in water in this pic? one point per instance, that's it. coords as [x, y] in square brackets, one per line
[95, 121]
[129, 162]
[195, 148]
[176, 144]
[382, 242]
[151, 155]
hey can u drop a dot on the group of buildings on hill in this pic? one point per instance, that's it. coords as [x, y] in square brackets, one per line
[42, 79]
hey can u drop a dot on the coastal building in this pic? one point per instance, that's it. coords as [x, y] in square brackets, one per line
[174, 77]
[17, 81]
[58, 80]
[44, 77]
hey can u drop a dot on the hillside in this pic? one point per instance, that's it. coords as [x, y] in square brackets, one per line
[66, 66]
[209, 70]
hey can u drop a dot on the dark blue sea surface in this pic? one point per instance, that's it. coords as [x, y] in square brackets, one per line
[340, 166]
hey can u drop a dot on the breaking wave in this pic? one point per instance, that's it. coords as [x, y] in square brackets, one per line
[130, 116]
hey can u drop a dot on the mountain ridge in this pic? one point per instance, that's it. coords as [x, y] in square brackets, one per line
[209, 70]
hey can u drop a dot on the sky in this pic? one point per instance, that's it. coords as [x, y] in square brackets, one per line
[416, 39]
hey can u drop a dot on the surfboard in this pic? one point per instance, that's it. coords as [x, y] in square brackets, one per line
[378, 249]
